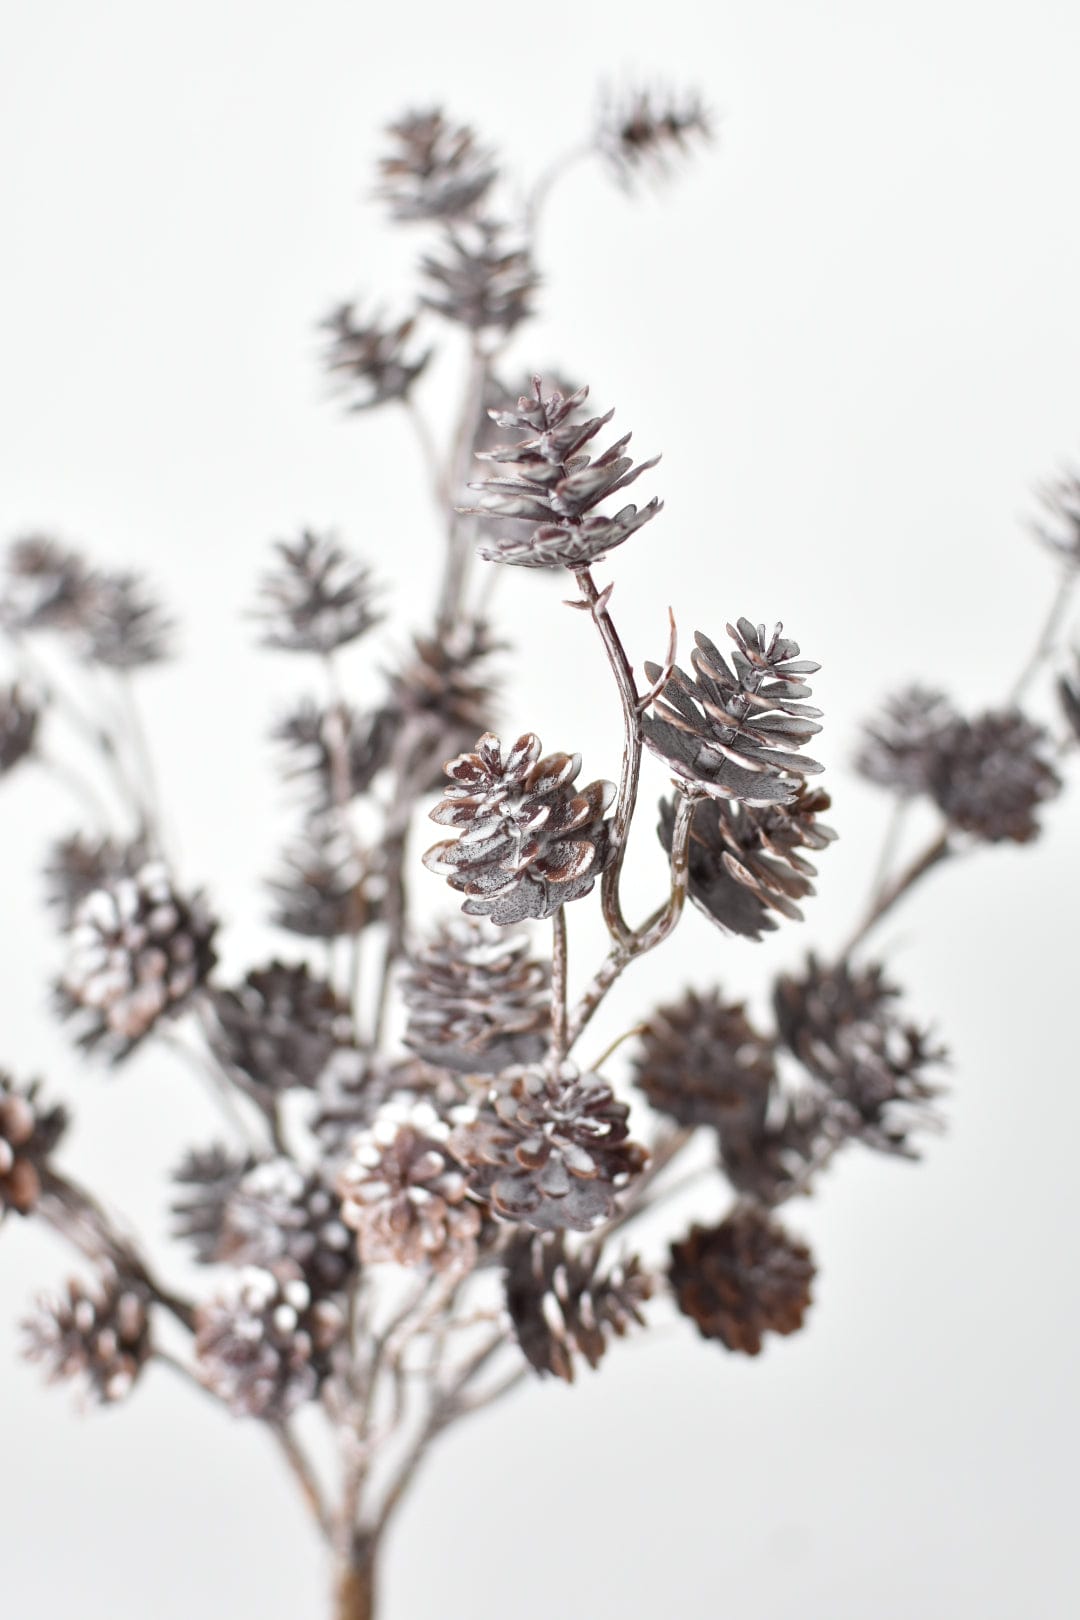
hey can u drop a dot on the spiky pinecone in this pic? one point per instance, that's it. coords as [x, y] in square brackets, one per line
[742, 1279]
[367, 360]
[476, 1000]
[702, 1062]
[732, 732]
[123, 626]
[555, 485]
[77, 866]
[901, 746]
[436, 170]
[776, 1157]
[286, 1220]
[528, 841]
[550, 1151]
[264, 1347]
[352, 1088]
[28, 1133]
[47, 586]
[137, 952]
[562, 1307]
[336, 752]
[481, 281]
[991, 774]
[210, 1177]
[280, 1026]
[405, 1195]
[646, 132]
[99, 1336]
[317, 598]
[327, 889]
[1060, 527]
[442, 698]
[18, 727]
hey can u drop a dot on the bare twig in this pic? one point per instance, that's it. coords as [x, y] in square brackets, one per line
[558, 985]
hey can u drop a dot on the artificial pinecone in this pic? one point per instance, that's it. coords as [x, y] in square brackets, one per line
[443, 697]
[18, 727]
[138, 950]
[742, 1279]
[287, 1220]
[550, 1151]
[902, 745]
[702, 1062]
[100, 1336]
[336, 752]
[843, 1027]
[732, 732]
[352, 1088]
[437, 170]
[476, 1000]
[280, 1026]
[78, 866]
[47, 586]
[264, 1347]
[1060, 530]
[122, 625]
[555, 485]
[317, 598]
[775, 1157]
[28, 1134]
[367, 361]
[991, 774]
[561, 1306]
[480, 281]
[210, 1177]
[647, 132]
[326, 889]
[528, 841]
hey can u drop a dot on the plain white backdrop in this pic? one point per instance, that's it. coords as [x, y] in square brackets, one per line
[853, 329]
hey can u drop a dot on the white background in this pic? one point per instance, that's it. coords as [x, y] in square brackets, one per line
[853, 330]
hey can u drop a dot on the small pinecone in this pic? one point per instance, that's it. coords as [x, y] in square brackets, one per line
[100, 1336]
[47, 586]
[1060, 530]
[123, 626]
[317, 598]
[78, 866]
[405, 1196]
[562, 1308]
[336, 752]
[476, 1000]
[732, 732]
[285, 1220]
[647, 132]
[351, 1090]
[702, 1062]
[367, 361]
[775, 1158]
[555, 485]
[843, 1027]
[549, 1151]
[28, 1134]
[480, 281]
[445, 698]
[138, 950]
[436, 170]
[992, 773]
[211, 1176]
[326, 890]
[742, 1279]
[529, 842]
[264, 1347]
[901, 746]
[18, 727]
[280, 1026]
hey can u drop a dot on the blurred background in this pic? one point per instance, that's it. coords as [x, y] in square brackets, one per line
[852, 328]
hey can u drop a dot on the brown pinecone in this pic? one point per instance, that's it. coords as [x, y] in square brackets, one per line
[773, 1159]
[742, 1279]
[480, 280]
[991, 774]
[405, 1196]
[529, 842]
[555, 486]
[702, 1062]
[317, 598]
[560, 1305]
[283, 1219]
[335, 752]
[18, 727]
[444, 697]
[436, 170]
[137, 951]
[327, 889]
[100, 1336]
[549, 1151]
[476, 1000]
[367, 361]
[732, 732]
[47, 585]
[211, 1176]
[647, 131]
[901, 746]
[280, 1026]
[28, 1134]
[264, 1347]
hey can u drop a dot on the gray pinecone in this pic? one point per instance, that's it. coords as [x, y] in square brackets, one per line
[901, 746]
[562, 1307]
[991, 774]
[435, 169]
[288, 1221]
[209, 1176]
[481, 280]
[317, 598]
[702, 1062]
[476, 1001]
[280, 1026]
[367, 361]
[327, 889]
[264, 1347]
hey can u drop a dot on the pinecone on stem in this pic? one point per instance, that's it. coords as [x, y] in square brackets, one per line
[264, 1347]
[563, 1307]
[99, 1336]
[28, 1134]
[742, 1279]
[702, 1062]
[280, 1026]
[476, 1000]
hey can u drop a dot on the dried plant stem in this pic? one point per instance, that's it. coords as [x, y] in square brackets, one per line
[222, 1088]
[894, 828]
[935, 852]
[429, 454]
[558, 985]
[634, 1201]
[354, 1585]
[545, 183]
[79, 785]
[459, 535]
[1047, 639]
[304, 1475]
[143, 759]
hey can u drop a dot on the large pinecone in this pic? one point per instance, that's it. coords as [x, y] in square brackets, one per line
[742, 1279]
[209, 1176]
[476, 1000]
[562, 1307]
[369, 362]
[549, 1151]
[528, 841]
[280, 1026]
[28, 1134]
[317, 598]
[702, 1062]
[18, 727]
[647, 131]
[991, 774]
[100, 1336]
[264, 1347]
[480, 280]
[556, 485]
[288, 1221]
[138, 950]
[435, 170]
[733, 732]
[901, 746]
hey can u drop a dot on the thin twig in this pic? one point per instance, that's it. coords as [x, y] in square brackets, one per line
[558, 985]
[304, 1474]
[935, 852]
[1044, 646]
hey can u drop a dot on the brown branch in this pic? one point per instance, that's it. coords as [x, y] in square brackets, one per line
[935, 852]
[558, 985]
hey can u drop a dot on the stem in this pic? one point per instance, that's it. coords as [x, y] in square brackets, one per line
[455, 568]
[666, 1150]
[935, 852]
[304, 1474]
[429, 454]
[544, 184]
[354, 1581]
[889, 846]
[1044, 646]
[558, 985]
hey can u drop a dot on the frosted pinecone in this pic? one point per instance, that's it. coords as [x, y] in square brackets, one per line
[435, 169]
[732, 733]
[209, 1176]
[443, 697]
[99, 1336]
[264, 1347]
[550, 1151]
[138, 950]
[367, 360]
[335, 752]
[742, 1279]
[1059, 528]
[77, 866]
[529, 842]
[481, 280]
[991, 774]
[46, 585]
[327, 888]
[476, 1000]
[123, 626]
[19, 719]
[405, 1196]
[776, 1157]
[646, 132]
[28, 1134]
[901, 746]
[288, 1221]
[351, 1090]
[279, 1026]
[702, 1062]
[317, 598]
[555, 485]
[562, 1307]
